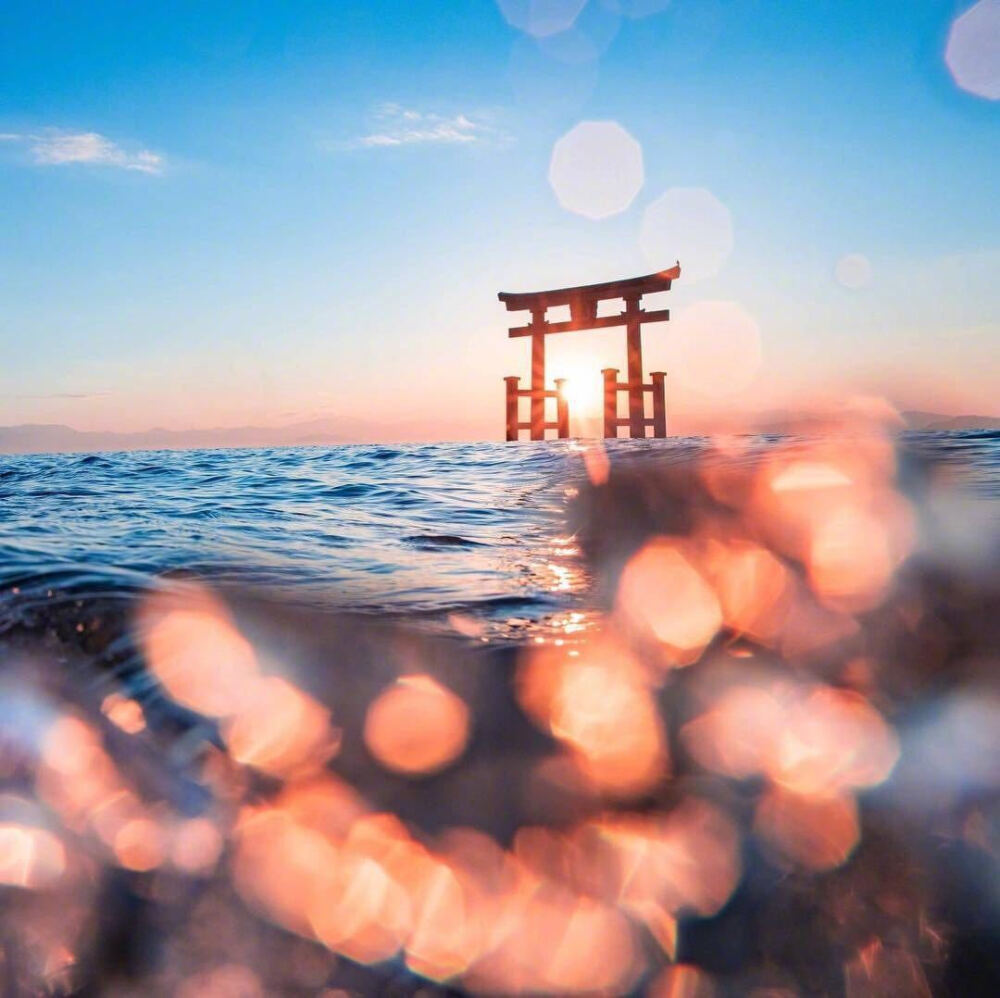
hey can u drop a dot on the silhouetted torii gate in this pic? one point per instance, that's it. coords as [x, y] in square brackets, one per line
[583, 302]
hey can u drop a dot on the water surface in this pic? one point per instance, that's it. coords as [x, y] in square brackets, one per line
[430, 530]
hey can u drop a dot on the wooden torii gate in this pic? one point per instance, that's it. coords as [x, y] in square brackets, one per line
[583, 302]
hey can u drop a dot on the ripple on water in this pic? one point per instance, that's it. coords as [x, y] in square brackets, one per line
[371, 527]
[425, 528]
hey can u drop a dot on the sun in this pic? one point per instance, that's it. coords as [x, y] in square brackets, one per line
[583, 391]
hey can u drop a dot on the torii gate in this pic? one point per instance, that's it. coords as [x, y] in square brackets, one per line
[583, 303]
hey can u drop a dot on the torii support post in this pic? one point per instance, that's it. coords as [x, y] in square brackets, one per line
[659, 403]
[613, 387]
[583, 304]
[512, 397]
[610, 402]
[636, 400]
[514, 393]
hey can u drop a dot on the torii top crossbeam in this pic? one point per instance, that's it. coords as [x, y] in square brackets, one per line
[585, 293]
[583, 301]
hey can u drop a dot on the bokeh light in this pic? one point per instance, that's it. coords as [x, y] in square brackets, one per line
[77, 777]
[587, 38]
[30, 857]
[361, 911]
[276, 866]
[596, 169]
[139, 845]
[597, 464]
[540, 18]
[123, 712]
[850, 560]
[597, 846]
[279, 728]
[193, 647]
[818, 833]
[661, 593]
[448, 933]
[686, 981]
[853, 271]
[228, 980]
[597, 952]
[686, 860]
[715, 348]
[196, 846]
[832, 740]
[689, 224]
[831, 506]
[736, 737]
[753, 587]
[416, 726]
[813, 742]
[596, 701]
[972, 53]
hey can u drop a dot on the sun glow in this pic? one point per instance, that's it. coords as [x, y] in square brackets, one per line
[582, 389]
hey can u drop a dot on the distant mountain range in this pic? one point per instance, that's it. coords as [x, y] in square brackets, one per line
[787, 420]
[38, 438]
[917, 420]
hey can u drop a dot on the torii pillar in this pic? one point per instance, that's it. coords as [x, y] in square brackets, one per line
[537, 373]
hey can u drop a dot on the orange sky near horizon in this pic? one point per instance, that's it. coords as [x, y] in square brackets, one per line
[722, 362]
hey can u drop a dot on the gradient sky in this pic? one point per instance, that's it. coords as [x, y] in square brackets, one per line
[220, 214]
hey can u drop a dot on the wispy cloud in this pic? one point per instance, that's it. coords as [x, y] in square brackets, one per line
[395, 125]
[65, 395]
[55, 147]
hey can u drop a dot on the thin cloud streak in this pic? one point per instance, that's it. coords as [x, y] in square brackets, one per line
[54, 147]
[66, 395]
[400, 126]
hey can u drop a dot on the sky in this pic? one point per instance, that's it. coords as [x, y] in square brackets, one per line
[218, 214]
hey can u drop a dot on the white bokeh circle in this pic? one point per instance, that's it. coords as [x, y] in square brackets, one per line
[541, 18]
[596, 169]
[689, 224]
[587, 40]
[715, 348]
[972, 52]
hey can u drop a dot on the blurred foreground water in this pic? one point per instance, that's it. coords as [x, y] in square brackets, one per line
[679, 717]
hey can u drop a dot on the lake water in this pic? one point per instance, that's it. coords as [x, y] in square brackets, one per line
[227, 789]
[422, 530]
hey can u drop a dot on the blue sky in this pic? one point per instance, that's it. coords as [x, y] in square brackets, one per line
[216, 214]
